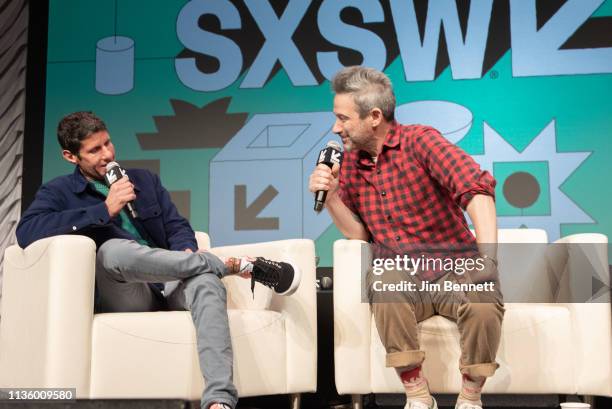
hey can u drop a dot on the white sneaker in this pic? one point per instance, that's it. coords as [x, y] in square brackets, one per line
[421, 405]
[466, 405]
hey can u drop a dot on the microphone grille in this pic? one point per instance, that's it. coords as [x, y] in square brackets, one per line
[111, 165]
[326, 282]
[335, 145]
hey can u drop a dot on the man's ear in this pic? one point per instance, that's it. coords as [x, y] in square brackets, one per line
[377, 116]
[70, 157]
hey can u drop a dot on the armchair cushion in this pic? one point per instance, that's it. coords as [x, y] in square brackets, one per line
[154, 355]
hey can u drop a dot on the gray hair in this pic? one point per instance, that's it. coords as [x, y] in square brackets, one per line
[369, 88]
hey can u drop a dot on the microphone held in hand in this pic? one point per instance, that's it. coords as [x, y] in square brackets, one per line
[328, 156]
[114, 172]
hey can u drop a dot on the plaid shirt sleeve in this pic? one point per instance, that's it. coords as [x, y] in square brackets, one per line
[346, 168]
[344, 196]
[451, 167]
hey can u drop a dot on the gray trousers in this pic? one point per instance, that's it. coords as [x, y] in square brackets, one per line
[193, 283]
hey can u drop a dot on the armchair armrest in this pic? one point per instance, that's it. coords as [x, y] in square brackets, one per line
[592, 321]
[47, 310]
[299, 309]
[352, 318]
[203, 240]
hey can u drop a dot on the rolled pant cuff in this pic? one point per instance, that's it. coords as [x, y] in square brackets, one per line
[405, 358]
[479, 370]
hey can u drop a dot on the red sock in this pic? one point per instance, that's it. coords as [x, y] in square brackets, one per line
[416, 385]
[471, 389]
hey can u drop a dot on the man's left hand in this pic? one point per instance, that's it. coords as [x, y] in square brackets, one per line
[488, 273]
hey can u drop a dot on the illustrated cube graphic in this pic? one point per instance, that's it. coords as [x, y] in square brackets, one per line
[259, 180]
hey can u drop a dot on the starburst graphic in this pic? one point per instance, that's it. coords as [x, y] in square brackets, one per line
[193, 127]
[529, 182]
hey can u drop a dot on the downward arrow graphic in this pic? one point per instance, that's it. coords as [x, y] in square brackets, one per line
[539, 52]
[245, 217]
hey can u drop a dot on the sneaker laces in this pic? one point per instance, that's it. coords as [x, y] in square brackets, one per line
[265, 272]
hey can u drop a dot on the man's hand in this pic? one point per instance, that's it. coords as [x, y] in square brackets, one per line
[120, 193]
[488, 273]
[349, 224]
[324, 178]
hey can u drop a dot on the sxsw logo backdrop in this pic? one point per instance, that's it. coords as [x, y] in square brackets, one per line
[229, 101]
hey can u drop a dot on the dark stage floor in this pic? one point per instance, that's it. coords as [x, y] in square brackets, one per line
[313, 401]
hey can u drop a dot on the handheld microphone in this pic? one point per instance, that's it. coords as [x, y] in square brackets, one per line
[114, 172]
[328, 156]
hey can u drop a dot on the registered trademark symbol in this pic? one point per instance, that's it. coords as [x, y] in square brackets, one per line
[493, 74]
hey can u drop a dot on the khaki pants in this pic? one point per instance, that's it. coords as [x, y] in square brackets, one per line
[478, 317]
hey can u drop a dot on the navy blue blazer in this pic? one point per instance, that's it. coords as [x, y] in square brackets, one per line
[70, 205]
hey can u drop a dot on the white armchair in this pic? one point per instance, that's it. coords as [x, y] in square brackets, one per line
[549, 347]
[49, 336]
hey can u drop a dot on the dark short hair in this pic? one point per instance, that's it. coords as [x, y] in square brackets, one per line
[75, 127]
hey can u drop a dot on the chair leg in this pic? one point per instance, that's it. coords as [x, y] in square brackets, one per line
[296, 400]
[357, 402]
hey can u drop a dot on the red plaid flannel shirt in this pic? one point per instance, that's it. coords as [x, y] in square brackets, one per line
[415, 192]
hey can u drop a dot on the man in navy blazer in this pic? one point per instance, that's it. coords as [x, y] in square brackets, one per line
[136, 254]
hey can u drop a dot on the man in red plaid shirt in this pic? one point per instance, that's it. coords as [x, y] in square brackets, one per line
[401, 186]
